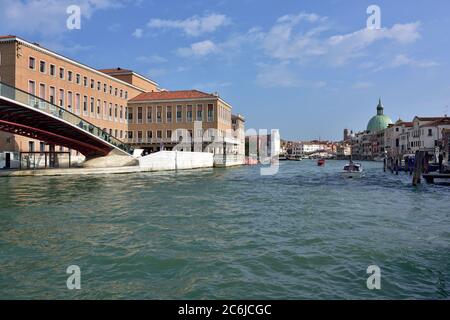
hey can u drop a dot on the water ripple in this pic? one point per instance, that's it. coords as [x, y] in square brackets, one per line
[225, 233]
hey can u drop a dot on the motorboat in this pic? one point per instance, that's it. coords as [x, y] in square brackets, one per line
[352, 170]
[321, 162]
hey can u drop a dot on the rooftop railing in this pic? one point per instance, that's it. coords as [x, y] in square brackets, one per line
[33, 101]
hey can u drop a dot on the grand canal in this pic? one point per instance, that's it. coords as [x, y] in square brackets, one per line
[225, 233]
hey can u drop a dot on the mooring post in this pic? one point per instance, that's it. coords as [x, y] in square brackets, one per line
[418, 168]
[396, 165]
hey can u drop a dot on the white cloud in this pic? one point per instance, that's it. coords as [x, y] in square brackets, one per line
[282, 75]
[153, 59]
[138, 33]
[66, 47]
[156, 72]
[47, 17]
[198, 49]
[226, 49]
[211, 86]
[193, 26]
[285, 42]
[294, 19]
[362, 85]
[403, 60]
[114, 27]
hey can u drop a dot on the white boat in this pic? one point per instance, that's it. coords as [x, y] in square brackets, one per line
[352, 170]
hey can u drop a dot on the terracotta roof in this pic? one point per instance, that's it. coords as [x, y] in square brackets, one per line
[115, 70]
[172, 95]
[6, 37]
[441, 121]
[430, 118]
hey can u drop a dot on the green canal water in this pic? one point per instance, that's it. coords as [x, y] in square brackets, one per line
[305, 233]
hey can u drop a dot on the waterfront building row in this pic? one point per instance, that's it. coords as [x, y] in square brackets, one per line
[383, 138]
[119, 101]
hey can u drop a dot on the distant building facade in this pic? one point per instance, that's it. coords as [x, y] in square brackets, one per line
[382, 138]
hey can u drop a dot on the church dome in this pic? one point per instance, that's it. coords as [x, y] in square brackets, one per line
[380, 121]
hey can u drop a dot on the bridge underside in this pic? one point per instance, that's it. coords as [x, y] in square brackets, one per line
[33, 124]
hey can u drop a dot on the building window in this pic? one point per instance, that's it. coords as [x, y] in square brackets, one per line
[99, 86]
[189, 113]
[85, 81]
[78, 78]
[126, 94]
[92, 83]
[430, 132]
[159, 114]
[32, 63]
[169, 134]
[110, 111]
[121, 134]
[98, 108]
[32, 87]
[105, 109]
[115, 111]
[139, 136]
[42, 67]
[199, 112]
[77, 103]
[121, 113]
[52, 95]
[105, 88]
[149, 114]
[85, 107]
[61, 97]
[52, 70]
[159, 134]
[69, 76]
[121, 93]
[130, 135]
[130, 114]
[210, 112]
[69, 100]
[139, 115]
[179, 113]
[169, 114]
[149, 135]
[42, 147]
[110, 90]
[92, 106]
[42, 91]
[61, 73]
[115, 91]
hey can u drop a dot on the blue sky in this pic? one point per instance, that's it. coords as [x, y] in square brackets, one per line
[308, 68]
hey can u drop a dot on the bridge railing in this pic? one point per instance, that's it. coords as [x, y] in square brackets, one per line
[30, 100]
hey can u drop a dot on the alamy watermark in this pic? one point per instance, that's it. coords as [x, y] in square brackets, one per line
[374, 280]
[74, 280]
[374, 20]
[73, 22]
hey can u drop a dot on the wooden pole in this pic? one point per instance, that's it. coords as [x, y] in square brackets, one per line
[396, 165]
[418, 168]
